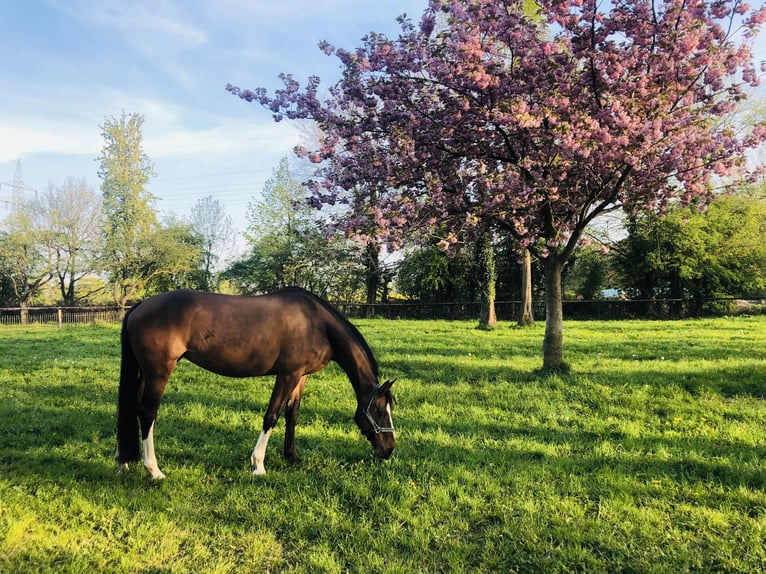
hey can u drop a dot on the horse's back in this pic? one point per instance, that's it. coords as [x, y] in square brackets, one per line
[233, 335]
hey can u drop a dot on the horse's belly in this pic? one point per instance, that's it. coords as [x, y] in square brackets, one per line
[232, 365]
[240, 356]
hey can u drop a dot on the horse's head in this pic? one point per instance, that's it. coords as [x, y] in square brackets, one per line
[374, 419]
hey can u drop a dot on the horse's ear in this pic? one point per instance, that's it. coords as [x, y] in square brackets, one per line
[386, 386]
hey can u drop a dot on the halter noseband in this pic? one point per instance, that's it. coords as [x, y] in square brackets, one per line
[366, 411]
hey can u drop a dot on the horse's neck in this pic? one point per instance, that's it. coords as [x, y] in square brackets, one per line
[356, 363]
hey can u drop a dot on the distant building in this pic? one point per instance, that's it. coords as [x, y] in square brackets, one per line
[611, 294]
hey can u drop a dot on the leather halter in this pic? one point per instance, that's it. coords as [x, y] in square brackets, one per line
[366, 411]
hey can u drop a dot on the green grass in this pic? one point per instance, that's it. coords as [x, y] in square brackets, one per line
[648, 457]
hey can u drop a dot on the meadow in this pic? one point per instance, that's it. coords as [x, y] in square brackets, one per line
[647, 457]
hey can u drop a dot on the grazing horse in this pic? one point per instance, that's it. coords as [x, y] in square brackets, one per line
[290, 333]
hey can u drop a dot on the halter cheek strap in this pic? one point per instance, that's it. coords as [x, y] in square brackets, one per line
[375, 426]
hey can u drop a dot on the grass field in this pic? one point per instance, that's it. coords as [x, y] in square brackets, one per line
[648, 457]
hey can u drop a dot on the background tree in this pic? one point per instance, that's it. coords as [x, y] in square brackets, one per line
[536, 125]
[432, 275]
[26, 251]
[511, 283]
[174, 259]
[688, 254]
[486, 272]
[283, 230]
[289, 248]
[72, 215]
[588, 273]
[213, 225]
[526, 312]
[137, 249]
[129, 218]
[7, 294]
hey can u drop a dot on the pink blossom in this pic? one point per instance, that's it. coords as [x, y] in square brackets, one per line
[528, 124]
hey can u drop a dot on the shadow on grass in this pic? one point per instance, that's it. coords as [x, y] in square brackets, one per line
[693, 460]
[64, 431]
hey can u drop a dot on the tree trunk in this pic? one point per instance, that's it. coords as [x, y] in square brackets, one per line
[485, 252]
[553, 344]
[371, 276]
[24, 312]
[526, 316]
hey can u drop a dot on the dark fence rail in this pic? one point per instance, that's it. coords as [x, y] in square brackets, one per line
[60, 316]
[505, 310]
[573, 310]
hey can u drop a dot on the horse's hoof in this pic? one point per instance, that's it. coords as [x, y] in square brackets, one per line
[155, 473]
[259, 471]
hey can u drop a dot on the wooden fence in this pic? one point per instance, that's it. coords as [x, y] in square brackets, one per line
[60, 316]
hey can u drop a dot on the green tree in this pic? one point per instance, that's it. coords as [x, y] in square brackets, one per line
[129, 218]
[176, 258]
[588, 273]
[430, 274]
[26, 252]
[688, 254]
[137, 249]
[289, 248]
[487, 279]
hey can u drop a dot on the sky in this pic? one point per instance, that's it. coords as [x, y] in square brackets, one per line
[68, 65]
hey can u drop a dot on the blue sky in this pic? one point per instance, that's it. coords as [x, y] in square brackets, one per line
[67, 65]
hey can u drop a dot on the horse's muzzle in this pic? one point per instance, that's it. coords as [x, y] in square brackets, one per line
[384, 452]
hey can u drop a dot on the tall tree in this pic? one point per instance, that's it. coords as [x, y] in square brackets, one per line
[72, 215]
[289, 248]
[487, 279]
[137, 249]
[210, 221]
[282, 225]
[433, 275]
[526, 314]
[26, 252]
[536, 124]
[129, 218]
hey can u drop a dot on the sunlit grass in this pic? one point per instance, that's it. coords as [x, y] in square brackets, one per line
[647, 458]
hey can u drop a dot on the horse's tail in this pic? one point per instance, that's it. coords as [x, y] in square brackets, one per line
[128, 444]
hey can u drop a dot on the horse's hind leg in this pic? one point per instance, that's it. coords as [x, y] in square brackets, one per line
[147, 414]
[150, 459]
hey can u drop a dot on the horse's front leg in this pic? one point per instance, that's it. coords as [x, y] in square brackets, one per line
[283, 390]
[291, 417]
[259, 452]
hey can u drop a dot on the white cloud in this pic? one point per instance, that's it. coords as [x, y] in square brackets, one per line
[139, 21]
[20, 140]
[226, 138]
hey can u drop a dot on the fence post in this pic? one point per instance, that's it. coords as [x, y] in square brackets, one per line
[60, 317]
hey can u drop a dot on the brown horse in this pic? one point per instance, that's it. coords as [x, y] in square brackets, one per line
[290, 333]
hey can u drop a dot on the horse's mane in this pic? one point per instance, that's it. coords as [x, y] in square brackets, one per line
[347, 325]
